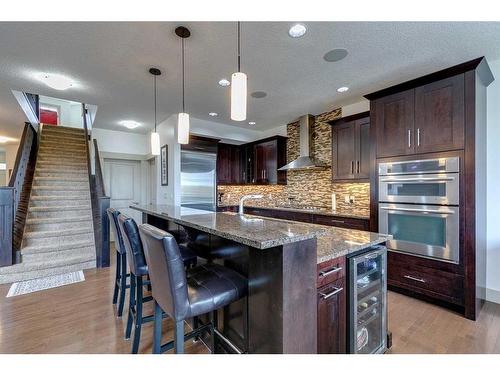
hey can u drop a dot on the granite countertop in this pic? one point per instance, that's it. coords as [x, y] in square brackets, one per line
[255, 231]
[354, 213]
[338, 242]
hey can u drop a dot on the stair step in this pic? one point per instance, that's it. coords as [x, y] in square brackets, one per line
[85, 196]
[75, 138]
[56, 162]
[52, 189]
[57, 212]
[40, 268]
[46, 180]
[55, 220]
[59, 233]
[49, 248]
[60, 152]
[57, 254]
[58, 208]
[63, 146]
[57, 241]
[60, 227]
[63, 133]
[61, 202]
[53, 172]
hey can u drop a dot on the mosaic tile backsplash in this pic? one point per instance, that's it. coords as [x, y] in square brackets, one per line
[308, 188]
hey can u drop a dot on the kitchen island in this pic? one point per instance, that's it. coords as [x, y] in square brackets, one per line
[281, 264]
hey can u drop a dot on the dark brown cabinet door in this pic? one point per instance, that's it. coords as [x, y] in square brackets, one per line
[332, 318]
[344, 151]
[266, 163]
[363, 148]
[236, 173]
[439, 115]
[394, 119]
[224, 163]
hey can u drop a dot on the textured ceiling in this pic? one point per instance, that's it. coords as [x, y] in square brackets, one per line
[110, 63]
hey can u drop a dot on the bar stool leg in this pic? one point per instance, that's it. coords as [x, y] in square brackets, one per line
[138, 315]
[123, 283]
[213, 325]
[157, 329]
[117, 278]
[131, 307]
[179, 337]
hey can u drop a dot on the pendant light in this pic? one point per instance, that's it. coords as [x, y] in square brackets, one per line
[239, 90]
[183, 119]
[155, 137]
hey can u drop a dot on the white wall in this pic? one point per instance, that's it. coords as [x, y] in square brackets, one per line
[121, 142]
[493, 187]
[70, 113]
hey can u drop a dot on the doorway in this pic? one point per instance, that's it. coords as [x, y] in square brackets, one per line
[122, 181]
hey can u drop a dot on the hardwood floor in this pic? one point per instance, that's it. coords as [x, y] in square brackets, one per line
[80, 318]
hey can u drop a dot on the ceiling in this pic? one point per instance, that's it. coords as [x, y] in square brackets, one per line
[110, 62]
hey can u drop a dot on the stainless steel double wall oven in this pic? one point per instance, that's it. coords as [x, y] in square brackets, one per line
[419, 207]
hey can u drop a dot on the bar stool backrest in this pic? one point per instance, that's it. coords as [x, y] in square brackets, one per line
[166, 271]
[133, 245]
[113, 223]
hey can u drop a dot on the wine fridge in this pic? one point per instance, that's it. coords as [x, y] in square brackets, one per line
[367, 303]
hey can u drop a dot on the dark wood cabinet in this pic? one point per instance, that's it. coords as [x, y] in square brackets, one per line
[394, 118]
[228, 164]
[342, 222]
[331, 299]
[439, 115]
[351, 148]
[429, 118]
[252, 163]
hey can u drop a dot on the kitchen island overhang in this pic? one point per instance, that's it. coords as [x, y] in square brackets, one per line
[280, 315]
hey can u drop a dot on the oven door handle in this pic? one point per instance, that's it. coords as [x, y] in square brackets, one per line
[420, 210]
[444, 179]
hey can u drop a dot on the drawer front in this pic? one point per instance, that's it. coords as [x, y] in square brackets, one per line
[280, 214]
[342, 222]
[434, 283]
[330, 271]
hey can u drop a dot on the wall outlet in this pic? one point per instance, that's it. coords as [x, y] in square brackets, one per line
[349, 199]
[346, 198]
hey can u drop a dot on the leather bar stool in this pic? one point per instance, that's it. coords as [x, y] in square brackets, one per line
[139, 270]
[183, 295]
[121, 262]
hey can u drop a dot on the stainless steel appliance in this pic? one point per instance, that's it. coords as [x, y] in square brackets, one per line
[418, 206]
[198, 179]
[368, 301]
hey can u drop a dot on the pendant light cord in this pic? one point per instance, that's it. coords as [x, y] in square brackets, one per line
[183, 88]
[239, 57]
[155, 100]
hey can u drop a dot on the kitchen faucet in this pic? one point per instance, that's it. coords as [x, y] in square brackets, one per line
[245, 197]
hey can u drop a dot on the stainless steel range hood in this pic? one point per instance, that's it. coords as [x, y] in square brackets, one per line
[304, 161]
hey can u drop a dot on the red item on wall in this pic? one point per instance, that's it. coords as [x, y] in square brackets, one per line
[48, 116]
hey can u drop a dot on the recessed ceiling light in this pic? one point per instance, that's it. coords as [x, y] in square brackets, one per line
[130, 124]
[56, 81]
[297, 30]
[224, 82]
[343, 89]
[335, 55]
[251, 123]
[258, 94]
[213, 114]
[4, 139]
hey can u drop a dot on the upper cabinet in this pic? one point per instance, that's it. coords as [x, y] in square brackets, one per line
[351, 148]
[439, 115]
[252, 163]
[428, 118]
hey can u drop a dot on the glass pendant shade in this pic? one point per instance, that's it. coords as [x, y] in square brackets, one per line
[183, 128]
[239, 96]
[155, 143]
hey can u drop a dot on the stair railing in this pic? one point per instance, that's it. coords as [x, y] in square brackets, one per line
[100, 201]
[14, 198]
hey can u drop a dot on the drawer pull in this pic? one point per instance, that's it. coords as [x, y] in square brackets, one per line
[331, 294]
[329, 272]
[337, 221]
[414, 278]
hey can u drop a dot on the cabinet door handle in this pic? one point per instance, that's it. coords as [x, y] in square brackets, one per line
[331, 294]
[409, 138]
[329, 272]
[418, 137]
[414, 278]
[352, 166]
[357, 162]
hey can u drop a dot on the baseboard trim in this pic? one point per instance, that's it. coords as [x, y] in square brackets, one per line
[493, 295]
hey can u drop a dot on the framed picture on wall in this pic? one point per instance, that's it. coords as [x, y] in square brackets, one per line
[164, 165]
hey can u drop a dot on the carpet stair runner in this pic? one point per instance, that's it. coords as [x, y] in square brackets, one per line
[58, 235]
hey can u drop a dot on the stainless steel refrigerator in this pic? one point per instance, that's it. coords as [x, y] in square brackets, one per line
[198, 179]
[367, 303]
